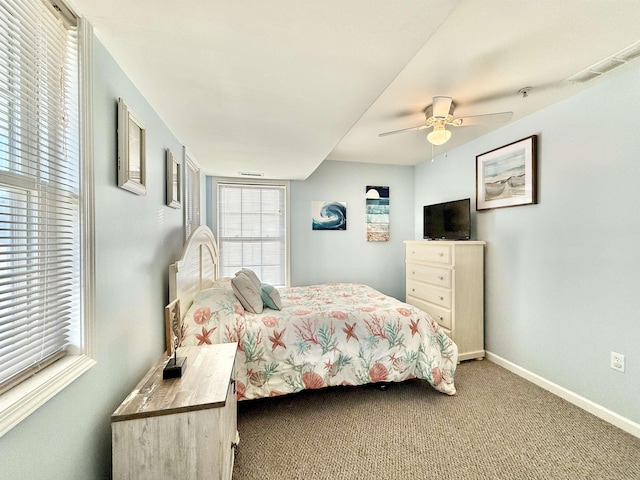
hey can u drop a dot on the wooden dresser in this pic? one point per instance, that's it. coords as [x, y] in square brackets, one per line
[181, 427]
[446, 280]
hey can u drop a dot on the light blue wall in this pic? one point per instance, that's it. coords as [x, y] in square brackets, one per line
[563, 276]
[346, 256]
[136, 238]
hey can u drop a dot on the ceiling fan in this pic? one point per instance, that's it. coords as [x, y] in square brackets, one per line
[440, 113]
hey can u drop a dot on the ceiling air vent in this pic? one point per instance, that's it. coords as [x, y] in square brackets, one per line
[624, 56]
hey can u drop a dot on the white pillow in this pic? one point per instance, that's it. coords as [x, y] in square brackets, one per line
[249, 295]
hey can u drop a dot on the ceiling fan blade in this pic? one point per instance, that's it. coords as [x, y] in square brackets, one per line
[480, 119]
[421, 127]
[441, 106]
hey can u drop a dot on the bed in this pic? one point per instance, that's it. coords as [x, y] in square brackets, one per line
[323, 335]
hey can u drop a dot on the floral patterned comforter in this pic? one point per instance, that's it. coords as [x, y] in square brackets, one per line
[325, 335]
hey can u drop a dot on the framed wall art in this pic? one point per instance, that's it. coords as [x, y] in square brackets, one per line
[174, 180]
[328, 215]
[132, 171]
[377, 213]
[507, 176]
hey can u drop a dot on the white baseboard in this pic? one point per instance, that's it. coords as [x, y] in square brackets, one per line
[599, 411]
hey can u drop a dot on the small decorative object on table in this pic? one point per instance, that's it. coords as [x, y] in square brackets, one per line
[176, 366]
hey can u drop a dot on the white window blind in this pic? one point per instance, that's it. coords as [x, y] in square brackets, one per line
[252, 230]
[40, 240]
[191, 197]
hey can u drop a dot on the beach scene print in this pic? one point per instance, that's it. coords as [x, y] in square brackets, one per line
[504, 176]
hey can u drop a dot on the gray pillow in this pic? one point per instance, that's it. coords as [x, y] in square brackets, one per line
[247, 293]
[252, 275]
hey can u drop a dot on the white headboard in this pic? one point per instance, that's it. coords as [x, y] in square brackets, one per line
[196, 269]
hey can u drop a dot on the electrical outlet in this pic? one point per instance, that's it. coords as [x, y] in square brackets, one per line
[617, 361]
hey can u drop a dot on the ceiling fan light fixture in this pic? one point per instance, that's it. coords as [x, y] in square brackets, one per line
[441, 113]
[439, 135]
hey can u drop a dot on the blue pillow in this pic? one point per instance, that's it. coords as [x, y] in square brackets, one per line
[270, 296]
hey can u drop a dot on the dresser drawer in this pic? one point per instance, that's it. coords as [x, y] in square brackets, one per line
[429, 252]
[440, 315]
[429, 293]
[433, 275]
[448, 334]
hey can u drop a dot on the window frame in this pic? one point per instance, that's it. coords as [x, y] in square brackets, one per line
[260, 182]
[23, 399]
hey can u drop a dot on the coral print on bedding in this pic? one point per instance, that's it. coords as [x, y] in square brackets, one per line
[324, 335]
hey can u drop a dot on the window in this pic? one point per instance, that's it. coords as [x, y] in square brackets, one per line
[191, 196]
[252, 230]
[46, 199]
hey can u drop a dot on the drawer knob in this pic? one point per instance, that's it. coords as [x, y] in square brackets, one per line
[441, 278]
[413, 289]
[441, 254]
[440, 318]
[441, 298]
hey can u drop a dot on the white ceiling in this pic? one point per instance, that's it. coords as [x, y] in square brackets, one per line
[277, 86]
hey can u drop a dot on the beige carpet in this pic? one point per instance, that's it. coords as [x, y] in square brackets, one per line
[498, 426]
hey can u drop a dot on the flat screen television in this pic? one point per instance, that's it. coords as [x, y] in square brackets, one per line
[448, 220]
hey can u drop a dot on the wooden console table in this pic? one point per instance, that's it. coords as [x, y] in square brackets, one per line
[181, 427]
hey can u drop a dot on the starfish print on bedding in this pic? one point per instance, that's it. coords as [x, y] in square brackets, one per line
[204, 336]
[349, 330]
[276, 340]
[414, 327]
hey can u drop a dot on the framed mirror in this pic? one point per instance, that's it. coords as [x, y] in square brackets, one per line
[174, 181]
[131, 151]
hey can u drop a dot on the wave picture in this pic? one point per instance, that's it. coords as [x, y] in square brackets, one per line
[329, 216]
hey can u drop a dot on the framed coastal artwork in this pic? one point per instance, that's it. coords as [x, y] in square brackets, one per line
[507, 176]
[174, 180]
[132, 145]
[377, 213]
[328, 215]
